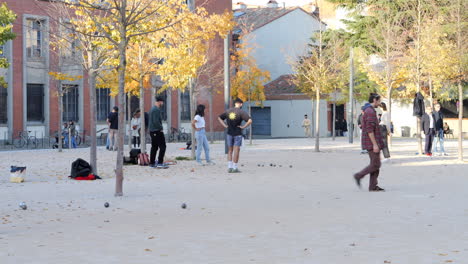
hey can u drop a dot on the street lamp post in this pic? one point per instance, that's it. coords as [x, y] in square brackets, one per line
[351, 97]
[227, 83]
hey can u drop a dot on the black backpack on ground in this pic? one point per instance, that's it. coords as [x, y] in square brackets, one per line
[134, 156]
[80, 168]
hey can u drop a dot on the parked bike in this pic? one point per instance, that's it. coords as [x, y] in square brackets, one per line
[178, 135]
[24, 139]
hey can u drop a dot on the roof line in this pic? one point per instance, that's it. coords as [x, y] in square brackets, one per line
[278, 17]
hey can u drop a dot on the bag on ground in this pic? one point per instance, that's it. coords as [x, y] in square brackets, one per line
[143, 159]
[17, 174]
[80, 168]
[134, 156]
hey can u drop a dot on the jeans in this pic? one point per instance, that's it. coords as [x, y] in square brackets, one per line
[439, 139]
[202, 142]
[384, 131]
[158, 141]
[429, 141]
[373, 169]
[73, 141]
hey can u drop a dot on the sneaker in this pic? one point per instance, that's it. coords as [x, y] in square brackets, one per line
[358, 181]
[377, 189]
[230, 170]
[153, 165]
[236, 171]
[445, 154]
[162, 166]
[199, 163]
[211, 163]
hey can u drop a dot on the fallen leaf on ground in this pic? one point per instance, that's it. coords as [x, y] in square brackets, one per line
[442, 254]
[151, 237]
[148, 250]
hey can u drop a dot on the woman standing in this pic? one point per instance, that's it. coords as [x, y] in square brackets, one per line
[198, 123]
[136, 125]
[385, 129]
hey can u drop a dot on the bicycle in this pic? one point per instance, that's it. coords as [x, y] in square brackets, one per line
[25, 139]
[178, 135]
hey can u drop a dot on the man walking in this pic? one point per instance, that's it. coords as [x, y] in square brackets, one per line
[427, 124]
[234, 118]
[372, 142]
[113, 122]
[439, 131]
[306, 125]
[158, 141]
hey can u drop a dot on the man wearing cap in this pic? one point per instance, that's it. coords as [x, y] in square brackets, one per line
[234, 118]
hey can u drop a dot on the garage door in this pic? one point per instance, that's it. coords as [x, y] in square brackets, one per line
[261, 121]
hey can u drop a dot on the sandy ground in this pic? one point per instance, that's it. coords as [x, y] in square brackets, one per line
[310, 213]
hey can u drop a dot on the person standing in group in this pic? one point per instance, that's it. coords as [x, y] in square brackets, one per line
[198, 123]
[135, 128]
[158, 141]
[385, 130]
[372, 141]
[113, 122]
[234, 118]
[427, 124]
[306, 125]
[439, 131]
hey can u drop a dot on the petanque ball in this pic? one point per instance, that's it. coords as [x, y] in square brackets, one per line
[23, 206]
[184, 206]
[106, 205]
[290, 166]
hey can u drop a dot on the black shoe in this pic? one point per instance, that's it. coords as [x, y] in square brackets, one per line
[358, 181]
[377, 189]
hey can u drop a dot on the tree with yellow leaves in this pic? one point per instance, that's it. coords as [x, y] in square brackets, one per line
[248, 81]
[121, 22]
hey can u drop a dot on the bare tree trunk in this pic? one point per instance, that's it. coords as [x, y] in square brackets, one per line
[431, 95]
[334, 118]
[92, 120]
[418, 71]
[142, 125]
[193, 102]
[60, 105]
[210, 98]
[129, 121]
[389, 112]
[119, 174]
[250, 114]
[460, 122]
[317, 120]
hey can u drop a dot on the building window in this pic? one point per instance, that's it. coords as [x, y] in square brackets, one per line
[70, 103]
[69, 50]
[185, 106]
[34, 38]
[35, 102]
[3, 104]
[103, 100]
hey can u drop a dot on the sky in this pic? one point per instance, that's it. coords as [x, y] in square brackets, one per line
[280, 2]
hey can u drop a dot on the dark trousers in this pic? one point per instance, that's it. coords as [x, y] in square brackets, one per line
[384, 131]
[136, 141]
[429, 140]
[373, 169]
[158, 141]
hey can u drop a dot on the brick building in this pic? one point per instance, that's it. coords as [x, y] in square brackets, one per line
[29, 102]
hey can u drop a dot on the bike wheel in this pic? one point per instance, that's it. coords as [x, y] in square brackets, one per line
[184, 137]
[78, 140]
[33, 141]
[171, 138]
[19, 143]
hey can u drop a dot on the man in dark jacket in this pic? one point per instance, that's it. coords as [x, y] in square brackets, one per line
[428, 125]
[158, 141]
[439, 131]
[418, 104]
[372, 141]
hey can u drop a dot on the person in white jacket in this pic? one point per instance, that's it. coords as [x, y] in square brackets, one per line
[135, 126]
[385, 129]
